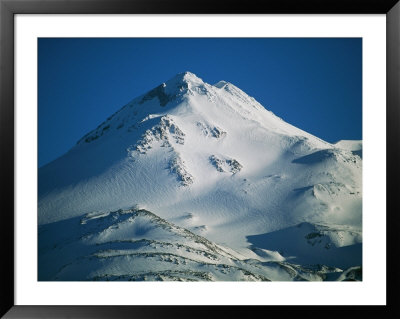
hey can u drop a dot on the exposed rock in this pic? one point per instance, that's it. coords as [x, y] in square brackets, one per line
[225, 164]
[177, 166]
[165, 131]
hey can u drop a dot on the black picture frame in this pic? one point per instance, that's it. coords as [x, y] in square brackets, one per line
[8, 8]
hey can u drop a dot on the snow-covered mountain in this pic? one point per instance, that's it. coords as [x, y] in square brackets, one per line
[193, 181]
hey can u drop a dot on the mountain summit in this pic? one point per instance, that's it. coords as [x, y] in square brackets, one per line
[212, 161]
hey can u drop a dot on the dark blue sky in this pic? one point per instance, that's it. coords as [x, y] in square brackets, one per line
[314, 84]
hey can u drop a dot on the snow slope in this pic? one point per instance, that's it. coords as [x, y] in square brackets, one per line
[355, 146]
[213, 161]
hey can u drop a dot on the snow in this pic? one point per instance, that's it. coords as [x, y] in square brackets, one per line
[354, 146]
[215, 155]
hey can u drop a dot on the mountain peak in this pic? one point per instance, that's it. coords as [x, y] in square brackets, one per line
[184, 78]
[189, 76]
[203, 158]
